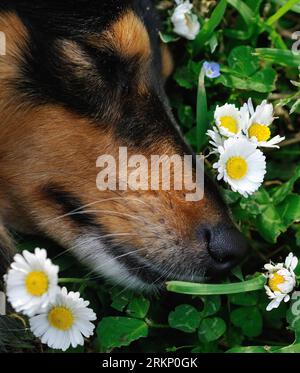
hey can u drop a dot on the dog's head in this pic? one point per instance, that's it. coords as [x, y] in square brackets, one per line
[81, 79]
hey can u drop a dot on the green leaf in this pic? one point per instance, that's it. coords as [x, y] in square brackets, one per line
[276, 318]
[262, 81]
[234, 336]
[280, 193]
[120, 298]
[229, 196]
[201, 116]
[209, 26]
[211, 329]
[241, 60]
[278, 56]
[138, 307]
[191, 288]
[238, 273]
[291, 349]
[244, 299]
[249, 319]
[168, 38]
[297, 234]
[268, 219]
[185, 318]
[212, 305]
[257, 203]
[120, 331]
[270, 224]
[186, 115]
[187, 76]
[249, 18]
[289, 209]
[295, 107]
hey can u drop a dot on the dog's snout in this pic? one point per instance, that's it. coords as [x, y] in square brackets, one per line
[226, 247]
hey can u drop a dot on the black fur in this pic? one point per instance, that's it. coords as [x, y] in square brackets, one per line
[47, 77]
[69, 204]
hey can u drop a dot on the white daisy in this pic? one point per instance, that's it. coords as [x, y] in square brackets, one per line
[241, 165]
[31, 282]
[64, 322]
[281, 281]
[228, 120]
[257, 122]
[185, 22]
[216, 139]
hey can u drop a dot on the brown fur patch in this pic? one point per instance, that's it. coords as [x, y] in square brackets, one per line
[167, 61]
[51, 145]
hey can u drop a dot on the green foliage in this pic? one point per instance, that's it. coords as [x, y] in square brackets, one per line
[185, 318]
[14, 335]
[248, 39]
[211, 329]
[249, 319]
[120, 331]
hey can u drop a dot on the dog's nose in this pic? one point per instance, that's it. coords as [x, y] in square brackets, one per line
[226, 247]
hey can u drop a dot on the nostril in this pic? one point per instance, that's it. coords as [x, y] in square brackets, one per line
[220, 256]
[207, 236]
[203, 235]
[226, 245]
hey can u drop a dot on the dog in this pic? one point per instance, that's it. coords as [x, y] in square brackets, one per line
[82, 78]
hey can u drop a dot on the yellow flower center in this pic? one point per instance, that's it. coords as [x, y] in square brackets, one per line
[229, 123]
[275, 281]
[36, 283]
[236, 168]
[61, 318]
[261, 132]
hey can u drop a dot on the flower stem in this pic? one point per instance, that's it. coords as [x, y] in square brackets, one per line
[191, 288]
[152, 324]
[72, 280]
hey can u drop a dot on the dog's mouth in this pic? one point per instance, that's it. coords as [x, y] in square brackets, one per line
[124, 265]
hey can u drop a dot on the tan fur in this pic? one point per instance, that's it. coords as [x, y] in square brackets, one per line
[167, 61]
[127, 36]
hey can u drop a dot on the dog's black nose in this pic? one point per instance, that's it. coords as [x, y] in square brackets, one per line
[226, 247]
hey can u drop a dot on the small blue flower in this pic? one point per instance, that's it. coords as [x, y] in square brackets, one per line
[212, 69]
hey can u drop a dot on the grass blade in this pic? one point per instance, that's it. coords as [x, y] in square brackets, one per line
[295, 8]
[278, 56]
[191, 288]
[281, 12]
[201, 115]
[249, 18]
[209, 27]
